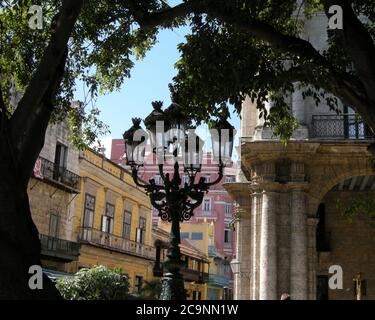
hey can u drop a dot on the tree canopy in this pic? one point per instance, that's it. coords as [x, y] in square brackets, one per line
[236, 48]
[97, 283]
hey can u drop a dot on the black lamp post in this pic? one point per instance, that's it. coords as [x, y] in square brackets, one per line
[174, 202]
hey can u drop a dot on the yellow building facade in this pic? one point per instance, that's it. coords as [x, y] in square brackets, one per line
[195, 269]
[202, 236]
[112, 221]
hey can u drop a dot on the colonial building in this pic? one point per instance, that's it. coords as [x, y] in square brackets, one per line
[217, 206]
[290, 228]
[52, 189]
[202, 236]
[195, 270]
[112, 220]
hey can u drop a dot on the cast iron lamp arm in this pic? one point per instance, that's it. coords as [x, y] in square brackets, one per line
[149, 187]
[221, 174]
[136, 178]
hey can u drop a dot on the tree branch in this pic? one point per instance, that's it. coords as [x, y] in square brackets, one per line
[357, 92]
[358, 43]
[28, 123]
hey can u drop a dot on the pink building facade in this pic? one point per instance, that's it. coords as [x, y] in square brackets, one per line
[217, 206]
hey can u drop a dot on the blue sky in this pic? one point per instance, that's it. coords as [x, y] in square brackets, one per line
[148, 82]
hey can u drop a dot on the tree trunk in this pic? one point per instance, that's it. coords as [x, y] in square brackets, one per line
[19, 240]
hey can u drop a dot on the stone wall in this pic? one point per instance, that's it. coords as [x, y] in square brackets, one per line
[46, 200]
[352, 247]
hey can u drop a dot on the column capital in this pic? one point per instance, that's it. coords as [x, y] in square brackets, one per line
[312, 222]
[260, 187]
[242, 211]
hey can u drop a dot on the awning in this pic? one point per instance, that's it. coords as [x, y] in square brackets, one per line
[53, 274]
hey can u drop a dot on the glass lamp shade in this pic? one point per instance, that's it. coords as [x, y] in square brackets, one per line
[222, 136]
[135, 143]
[157, 124]
[235, 266]
[177, 123]
[193, 156]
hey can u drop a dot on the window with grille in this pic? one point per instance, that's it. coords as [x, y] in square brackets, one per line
[207, 205]
[226, 236]
[54, 226]
[185, 179]
[127, 224]
[228, 207]
[108, 218]
[89, 210]
[158, 180]
[138, 284]
[229, 179]
[141, 230]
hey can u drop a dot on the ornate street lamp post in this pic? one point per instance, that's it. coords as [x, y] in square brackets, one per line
[175, 203]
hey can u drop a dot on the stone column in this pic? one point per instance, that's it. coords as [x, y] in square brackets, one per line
[268, 248]
[254, 244]
[243, 253]
[283, 243]
[240, 193]
[312, 257]
[298, 246]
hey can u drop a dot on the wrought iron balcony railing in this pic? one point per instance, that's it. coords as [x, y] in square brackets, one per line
[194, 275]
[212, 252]
[110, 241]
[59, 248]
[218, 280]
[47, 170]
[344, 126]
[188, 274]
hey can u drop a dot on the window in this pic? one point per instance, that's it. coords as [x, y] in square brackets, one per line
[108, 217]
[197, 236]
[127, 224]
[226, 236]
[158, 180]
[185, 179]
[138, 284]
[141, 230]
[88, 217]
[207, 179]
[88, 214]
[229, 179]
[61, 154]
[184, 235]
[228, 207]
[207, 205]
[54, 226]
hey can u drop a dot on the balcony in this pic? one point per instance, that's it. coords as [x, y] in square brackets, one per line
[212, 252]
[57, 176]
[194, 275]
[344, 126]
[188, 274]
[115, 243]
[58, 248]
[218, 280]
